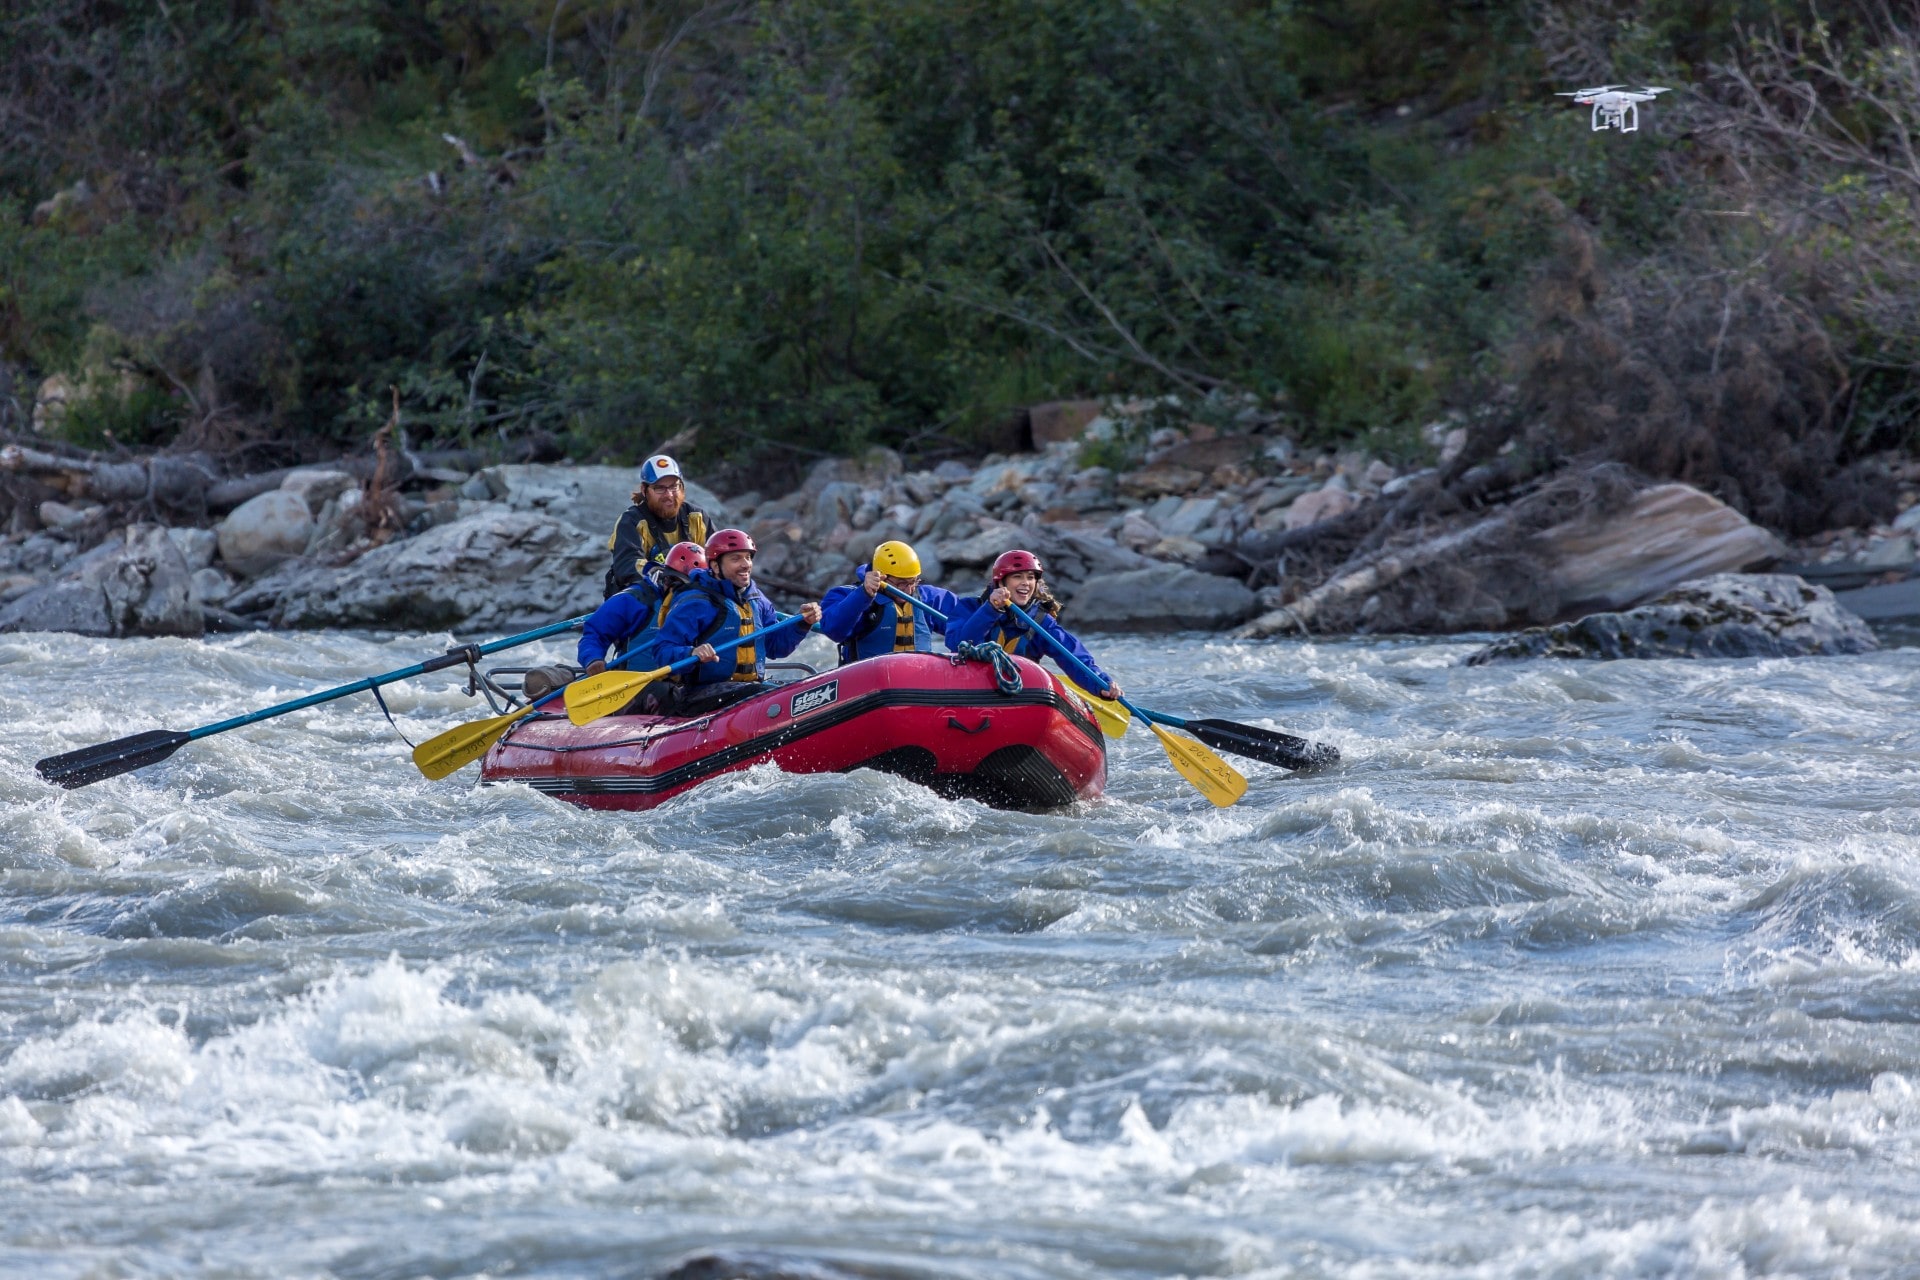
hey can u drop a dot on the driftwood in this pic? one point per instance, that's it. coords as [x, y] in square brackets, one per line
[1340, 591]
[191, 482]
[1333, 545]
[1489, 571]
[176, 481]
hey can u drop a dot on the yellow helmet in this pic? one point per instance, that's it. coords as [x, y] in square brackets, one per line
[896, 560]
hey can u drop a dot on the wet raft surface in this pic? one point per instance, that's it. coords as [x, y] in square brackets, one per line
[1572, 969]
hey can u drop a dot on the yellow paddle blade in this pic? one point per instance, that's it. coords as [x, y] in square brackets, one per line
[1213, 777]
[606, 693]
[457, 748]
[1112, 718]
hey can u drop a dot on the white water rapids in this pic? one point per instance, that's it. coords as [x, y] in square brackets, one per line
[1571, 970]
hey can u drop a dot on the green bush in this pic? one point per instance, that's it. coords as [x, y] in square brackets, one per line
[815, 225]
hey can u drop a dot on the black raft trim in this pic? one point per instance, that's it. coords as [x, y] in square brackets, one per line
[790, 733]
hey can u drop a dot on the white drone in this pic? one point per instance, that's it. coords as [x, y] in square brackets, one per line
[1614, 105]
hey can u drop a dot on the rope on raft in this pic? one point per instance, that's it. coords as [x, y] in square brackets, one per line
[1005, 674]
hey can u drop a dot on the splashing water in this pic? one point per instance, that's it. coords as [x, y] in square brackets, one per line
[1571, 970]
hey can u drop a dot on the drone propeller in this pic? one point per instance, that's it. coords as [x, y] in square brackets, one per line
[1581, 93]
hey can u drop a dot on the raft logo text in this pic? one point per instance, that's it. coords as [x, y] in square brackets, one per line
[814, 699]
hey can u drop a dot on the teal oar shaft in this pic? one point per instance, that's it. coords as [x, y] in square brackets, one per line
[687, 663]
[1079, 670]
[451, 658]
[109, 759]
[1281, 749]
[903, 597]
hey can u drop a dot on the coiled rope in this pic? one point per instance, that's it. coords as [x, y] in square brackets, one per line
[1005, 675]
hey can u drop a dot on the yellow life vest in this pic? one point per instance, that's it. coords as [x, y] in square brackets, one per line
[692, 523]
[904, 640]
[746, 660]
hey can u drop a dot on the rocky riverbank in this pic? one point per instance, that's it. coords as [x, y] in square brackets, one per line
[1198, 529]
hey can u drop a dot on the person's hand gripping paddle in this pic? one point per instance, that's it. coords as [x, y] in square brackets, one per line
[1211, 776]
[1112, 718]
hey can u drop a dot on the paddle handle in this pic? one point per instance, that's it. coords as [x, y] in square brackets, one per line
[1079, 670]
[902, 596]
[451, 658]
[727, 646]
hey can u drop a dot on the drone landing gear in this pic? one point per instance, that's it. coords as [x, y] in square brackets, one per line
[1625, 118]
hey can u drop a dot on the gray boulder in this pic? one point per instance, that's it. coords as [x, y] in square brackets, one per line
[317, 488]
[1729, 615]
[138, 585]
[496, 570]
[591, 499]
[1162, 598]
[1667, 535]
[264, 531]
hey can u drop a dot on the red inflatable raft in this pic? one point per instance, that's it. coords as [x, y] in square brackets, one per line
[948, 725]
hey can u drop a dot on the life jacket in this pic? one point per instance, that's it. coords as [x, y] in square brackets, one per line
[910, 634]
[645, 593]
[655, 598]
[1012, 633]
[640, 536]
[746, 657]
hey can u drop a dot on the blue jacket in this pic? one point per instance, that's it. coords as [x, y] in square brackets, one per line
[626, 623]
[1000, 627]
[864, 626]
[691, 618]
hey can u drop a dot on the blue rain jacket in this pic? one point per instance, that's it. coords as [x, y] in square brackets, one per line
[846, 609]
[626, 623]
[1000, 627]
[692, 615]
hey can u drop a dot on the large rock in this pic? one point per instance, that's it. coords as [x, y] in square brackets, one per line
[1061, 420]
[1321, 504]
[1071, 556]
[139, 585]
[1667, 535]
[1162, 598]
[318, 487]
[496, 570]
[1159, 479]
[1205, 455]
[591, 499]
[264, 531]
[1729, 615]
[1884, 602]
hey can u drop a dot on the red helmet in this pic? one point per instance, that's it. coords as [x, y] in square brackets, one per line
[1009, 562]
[728, 540]
[685, 557]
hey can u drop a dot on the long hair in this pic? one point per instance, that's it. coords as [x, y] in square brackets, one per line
[1044, 600]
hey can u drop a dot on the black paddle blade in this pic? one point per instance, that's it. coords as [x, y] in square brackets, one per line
[107, 759]
[1265, 745]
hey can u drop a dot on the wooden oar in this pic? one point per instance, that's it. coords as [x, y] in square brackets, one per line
[123, 755]
[1211, 776]
[1112, 718]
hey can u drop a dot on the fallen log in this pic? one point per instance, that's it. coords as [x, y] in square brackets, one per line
[178, 481]
[191, 482]
[1341, 590]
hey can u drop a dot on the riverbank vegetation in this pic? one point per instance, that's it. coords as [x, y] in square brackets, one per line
[585, 227]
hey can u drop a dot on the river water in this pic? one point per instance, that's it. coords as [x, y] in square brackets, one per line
[1572, 970]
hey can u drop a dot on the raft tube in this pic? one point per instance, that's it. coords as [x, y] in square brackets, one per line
[947, 725]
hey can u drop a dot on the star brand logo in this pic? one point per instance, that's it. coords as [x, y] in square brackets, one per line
[814, 699]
